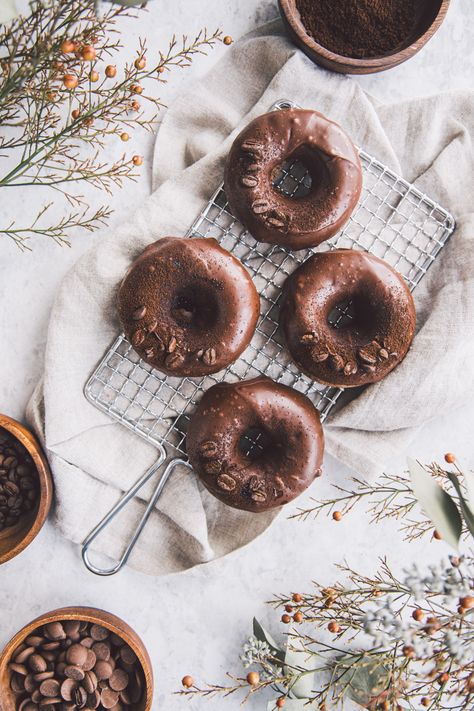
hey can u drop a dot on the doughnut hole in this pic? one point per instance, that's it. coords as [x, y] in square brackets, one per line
[303, 173]
[256, 443]
[354, 313]
[195, 307]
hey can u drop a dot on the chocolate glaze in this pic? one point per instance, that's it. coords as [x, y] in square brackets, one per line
[188, 306]
[291, 438]
[255, 159]
[374, 342]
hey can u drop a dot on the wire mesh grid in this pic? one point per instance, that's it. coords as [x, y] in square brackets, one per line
[393, 220]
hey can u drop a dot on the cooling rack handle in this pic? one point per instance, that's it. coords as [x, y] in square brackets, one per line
[122, 502]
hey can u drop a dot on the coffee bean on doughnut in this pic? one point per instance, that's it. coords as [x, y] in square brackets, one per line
[255, 159]
[365, 348]
[188, 307]
[287, 455]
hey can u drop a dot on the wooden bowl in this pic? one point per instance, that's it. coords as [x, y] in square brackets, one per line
[430, 15]
[87, 614]
[16, 538]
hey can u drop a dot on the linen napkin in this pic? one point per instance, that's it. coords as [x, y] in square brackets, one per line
[94, 459]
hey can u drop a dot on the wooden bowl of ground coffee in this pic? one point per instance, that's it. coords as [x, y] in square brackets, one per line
[362, 36]
[26, 488]
[73, 658]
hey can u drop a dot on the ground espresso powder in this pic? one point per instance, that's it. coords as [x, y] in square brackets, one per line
[358, 28]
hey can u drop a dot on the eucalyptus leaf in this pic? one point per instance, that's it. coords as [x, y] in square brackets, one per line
[436, 503]
[296, 656]
[8, 11]
[466, 511]
[263, 636]
[365, 679]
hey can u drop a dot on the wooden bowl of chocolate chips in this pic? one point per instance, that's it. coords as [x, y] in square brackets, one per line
[76, 658]
[26, 488]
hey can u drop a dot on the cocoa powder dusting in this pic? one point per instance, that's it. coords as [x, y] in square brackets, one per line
[358, 28]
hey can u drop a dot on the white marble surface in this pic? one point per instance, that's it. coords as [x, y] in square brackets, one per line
[195, 622]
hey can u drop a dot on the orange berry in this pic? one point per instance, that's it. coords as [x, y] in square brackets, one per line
[160, 70]
[140, 63]
[70, 81]
[124, 136]
[137, 160]
[297, 597]
[94, 76]
[449, 458]
[444, 678]
[432, 625]
[187, 681]
[337, 515]
[334, 627]
[298, 617]
[136, 88]
[409, 651]
[286, 619]
[227, 40]
[385, 705]
[467, 602]
[88, 53]
[461, 610]
[418, 614]
[135, 105]
[289, 608]
[75, 113]
[425, 701]
[110, 71]
[68, 46]
[253, 678]
[280, 702]
[437, 535]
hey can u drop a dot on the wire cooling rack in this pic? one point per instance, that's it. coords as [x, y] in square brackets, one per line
[393, 220]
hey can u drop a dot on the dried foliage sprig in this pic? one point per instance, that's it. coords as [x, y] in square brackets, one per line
[393, 496]
[62, 99]
[385, 642]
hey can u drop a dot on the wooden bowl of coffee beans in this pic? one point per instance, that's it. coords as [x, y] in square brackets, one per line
[26, 488]
[76, 658]
[362, 37]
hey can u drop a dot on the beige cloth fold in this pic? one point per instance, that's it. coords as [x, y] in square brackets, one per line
[94, 459]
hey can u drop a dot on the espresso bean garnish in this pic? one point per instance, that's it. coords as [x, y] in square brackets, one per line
[251, 146]
[226, 482]
[119, 680]
[174, 360]
[249, 181]
[383, 353]
[172, 343]
[259, 207]
[208, 449]
[213, 466]
[366, 356]
[76, 655]
[336, 362]
[138, 337]
[139, 313]
[50, 688]
[209, 356]
[321, 357]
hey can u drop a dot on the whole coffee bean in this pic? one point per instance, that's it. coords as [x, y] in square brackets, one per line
[99, 633]
[76, 655]
[74, 672]
[50, 688]
[119, 680]
[103, 670]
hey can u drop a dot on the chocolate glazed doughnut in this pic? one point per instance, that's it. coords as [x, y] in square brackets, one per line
[372, 343]
[188, 306]
[289, 449]
[255, 159]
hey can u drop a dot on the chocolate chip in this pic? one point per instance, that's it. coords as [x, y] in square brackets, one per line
[366, 357]
[50, 688]
[259, 207]
[67, 688]
[37, 663]
[138, 337]
[208, 449]
[22, 656]
[74, 672]
[249, 181]
[109, 698]
[119, 680]
[76, 654]
[128, 655]
[226, 482]
[139, 313]
[209, 356]
[103, 670]
[101, 651]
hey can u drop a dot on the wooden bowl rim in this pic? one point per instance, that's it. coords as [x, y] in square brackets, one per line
[287, 6]
[97, 616]
[29, 441]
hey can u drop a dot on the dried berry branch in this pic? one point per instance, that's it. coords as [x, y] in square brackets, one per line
[62, 100]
